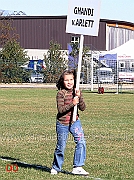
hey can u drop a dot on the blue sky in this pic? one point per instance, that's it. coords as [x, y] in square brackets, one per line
[110, 9]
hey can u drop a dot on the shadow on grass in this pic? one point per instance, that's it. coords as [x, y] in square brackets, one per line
[39, 167]
[26, 165]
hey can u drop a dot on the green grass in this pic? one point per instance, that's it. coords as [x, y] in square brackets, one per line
[27, 133]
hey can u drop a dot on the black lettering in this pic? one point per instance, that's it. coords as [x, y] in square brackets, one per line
[90, 12]
[84, 11]
[80, 22]
[79, 10]
[75, 10]
[83, 23]
[77, 22]
[86, 23]
[91, 22]
[73, 22]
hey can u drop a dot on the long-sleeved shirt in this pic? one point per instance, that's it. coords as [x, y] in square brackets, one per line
[65, 106]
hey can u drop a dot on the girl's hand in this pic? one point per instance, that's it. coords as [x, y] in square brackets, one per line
[75, 100]
[77, 93]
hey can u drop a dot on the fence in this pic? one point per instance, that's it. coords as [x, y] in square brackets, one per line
[107, 74]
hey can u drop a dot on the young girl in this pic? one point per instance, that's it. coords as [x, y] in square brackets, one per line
[67, 98]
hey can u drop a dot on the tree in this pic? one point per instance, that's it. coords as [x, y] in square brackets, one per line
[7, 31]
[55, 62]
[73, 60]
[12, 56]
[73, 55]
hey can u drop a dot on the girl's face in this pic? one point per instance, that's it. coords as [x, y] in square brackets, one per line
[69, 81]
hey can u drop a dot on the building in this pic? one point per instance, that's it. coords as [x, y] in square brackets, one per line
[36, 32]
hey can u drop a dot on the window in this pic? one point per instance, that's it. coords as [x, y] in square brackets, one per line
[122, 64]
[132, 65]
[75, 39]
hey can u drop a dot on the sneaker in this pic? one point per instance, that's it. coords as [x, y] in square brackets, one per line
[53, 171]
[80, 171]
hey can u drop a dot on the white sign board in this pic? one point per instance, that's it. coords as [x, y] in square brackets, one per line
[83, 17]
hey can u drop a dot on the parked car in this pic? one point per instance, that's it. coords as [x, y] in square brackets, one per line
[36, 78]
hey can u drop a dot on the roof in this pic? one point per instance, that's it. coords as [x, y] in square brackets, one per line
[62, 17]
[125, 51]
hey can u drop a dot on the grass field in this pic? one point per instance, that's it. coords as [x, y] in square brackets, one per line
[27, 135]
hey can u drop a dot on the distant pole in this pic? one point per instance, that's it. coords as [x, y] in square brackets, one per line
[117, 75]
[78, 73]
[92, 71]
[117, 61]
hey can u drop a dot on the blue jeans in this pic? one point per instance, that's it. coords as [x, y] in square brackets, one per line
[80, 149]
